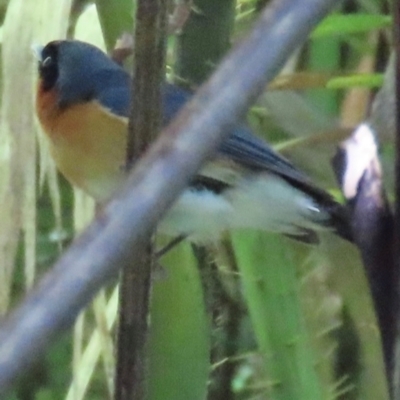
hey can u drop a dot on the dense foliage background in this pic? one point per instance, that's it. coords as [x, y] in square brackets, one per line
[283, 320]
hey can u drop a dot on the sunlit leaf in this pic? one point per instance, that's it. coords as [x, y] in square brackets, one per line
[179, 343]
[341, 25]
[359, 80]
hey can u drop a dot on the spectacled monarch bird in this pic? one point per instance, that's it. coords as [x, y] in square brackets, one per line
[83, 100]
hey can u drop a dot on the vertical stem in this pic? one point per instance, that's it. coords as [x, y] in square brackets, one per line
[225, 317]
[133, 328]
[144, 124]
[396, 39]
[149, 72]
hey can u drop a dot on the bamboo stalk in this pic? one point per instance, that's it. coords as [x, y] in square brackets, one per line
[202, 43]
[205, 39]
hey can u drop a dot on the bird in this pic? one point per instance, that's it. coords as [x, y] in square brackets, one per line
[83, 102]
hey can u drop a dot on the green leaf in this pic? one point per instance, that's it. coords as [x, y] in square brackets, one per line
[342, 25]
[179, 343]
[116, 17]
[363, 80]
[271, 289]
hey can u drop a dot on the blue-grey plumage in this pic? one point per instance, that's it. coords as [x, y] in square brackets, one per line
[83, 103]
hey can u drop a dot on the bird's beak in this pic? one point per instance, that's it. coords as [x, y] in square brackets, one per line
[37, 51]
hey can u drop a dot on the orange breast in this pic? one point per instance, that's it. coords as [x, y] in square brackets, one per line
[87, 142]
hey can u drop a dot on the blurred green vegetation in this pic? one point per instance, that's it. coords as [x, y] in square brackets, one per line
[305, 324]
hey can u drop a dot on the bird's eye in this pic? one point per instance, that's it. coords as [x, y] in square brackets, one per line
[48, 68]
[47, 62]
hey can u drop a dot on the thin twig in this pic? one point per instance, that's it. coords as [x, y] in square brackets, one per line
[174, 242]
[112, 240]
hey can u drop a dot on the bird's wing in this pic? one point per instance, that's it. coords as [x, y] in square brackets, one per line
[255, 154]
[240, 151]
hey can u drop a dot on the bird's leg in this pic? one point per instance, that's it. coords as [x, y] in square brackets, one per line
[159, 271]
[175, 241]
